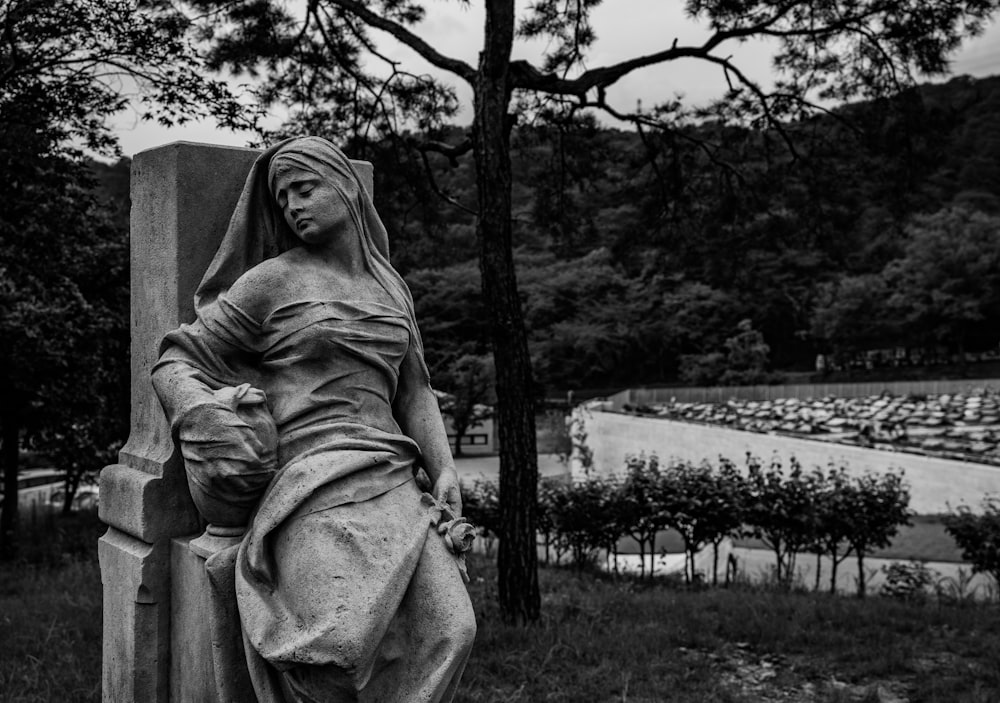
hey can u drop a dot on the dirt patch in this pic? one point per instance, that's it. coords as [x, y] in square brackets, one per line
[767, 678]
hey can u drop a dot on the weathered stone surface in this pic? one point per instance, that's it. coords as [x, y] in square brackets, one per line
[192, 676]
[183, 195]
[341, 566]
[180, 207]
[136, 584]
[146, 506]
[232, 678]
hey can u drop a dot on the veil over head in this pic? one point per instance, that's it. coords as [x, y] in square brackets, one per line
[257, 230]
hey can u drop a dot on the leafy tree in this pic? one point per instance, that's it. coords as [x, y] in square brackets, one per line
[744, 361]
[644, 505]
[468, 396]
[582, 519]
[978, 535]
[62, 266]
[940, 290]
[316, 62]
[66, 65]
[878, 506]
[449, 305]
[746, 356]
[581, 316]
[782, 510]
[852, 315]
[725, 508]
[835, 520]
[67, 62]
[947, 284]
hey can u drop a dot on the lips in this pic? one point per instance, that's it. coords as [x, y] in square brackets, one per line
[300, 224]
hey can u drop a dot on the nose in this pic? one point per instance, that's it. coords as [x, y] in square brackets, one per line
[294, 203]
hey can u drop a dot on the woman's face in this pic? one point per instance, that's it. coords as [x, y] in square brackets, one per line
[312, 207]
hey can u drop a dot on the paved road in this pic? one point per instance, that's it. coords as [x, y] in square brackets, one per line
[488, 467]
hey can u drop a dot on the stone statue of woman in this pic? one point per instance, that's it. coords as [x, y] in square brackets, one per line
[303, 407]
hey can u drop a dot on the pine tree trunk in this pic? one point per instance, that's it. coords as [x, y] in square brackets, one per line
[517, 560]
[9, 433]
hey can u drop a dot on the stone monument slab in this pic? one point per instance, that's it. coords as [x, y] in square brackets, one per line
[157, 638]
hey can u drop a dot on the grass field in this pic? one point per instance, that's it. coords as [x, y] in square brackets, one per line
[600, 639]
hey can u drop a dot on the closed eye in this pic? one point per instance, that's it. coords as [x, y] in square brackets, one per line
[301, 187]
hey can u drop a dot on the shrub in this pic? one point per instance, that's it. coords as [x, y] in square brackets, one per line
[978, 536]
[481, 505]
[907, 581]
[643, 505]
[705, 505]
[878, 505]
[583, 517]
[782, 509]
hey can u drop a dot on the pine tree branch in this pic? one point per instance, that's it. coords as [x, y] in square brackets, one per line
[437, 189]
[450, 151]
[405, 36]
[525, 76]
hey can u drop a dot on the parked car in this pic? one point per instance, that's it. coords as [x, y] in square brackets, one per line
[86, 498]
[35, 488]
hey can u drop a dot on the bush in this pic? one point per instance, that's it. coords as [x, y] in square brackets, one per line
[978, 536]
[481, 505]
[907, 581]
[791, 511]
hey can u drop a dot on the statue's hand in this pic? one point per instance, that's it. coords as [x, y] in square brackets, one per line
[447, 491]
[458, 533]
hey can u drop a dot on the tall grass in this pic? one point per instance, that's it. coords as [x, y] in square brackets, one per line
[600, 639]
[50, 614]
[603, 639]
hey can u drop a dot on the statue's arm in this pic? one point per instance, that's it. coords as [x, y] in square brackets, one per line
[228, 460]
[416, 410]
[179, 384]
[198, 358]
[192, 364]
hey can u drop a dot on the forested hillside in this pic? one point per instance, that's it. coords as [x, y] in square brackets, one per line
[720, 255]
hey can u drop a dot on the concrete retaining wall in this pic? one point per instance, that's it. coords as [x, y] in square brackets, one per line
[935, 484]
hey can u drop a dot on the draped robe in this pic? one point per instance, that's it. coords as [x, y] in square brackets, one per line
[344, 588]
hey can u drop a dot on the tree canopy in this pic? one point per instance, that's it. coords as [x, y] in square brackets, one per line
[317, 59]
[67, 65]
[712, 202]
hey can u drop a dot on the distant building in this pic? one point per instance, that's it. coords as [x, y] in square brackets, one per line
[477, 441]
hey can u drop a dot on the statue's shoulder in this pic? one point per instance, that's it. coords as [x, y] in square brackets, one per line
[261, 289]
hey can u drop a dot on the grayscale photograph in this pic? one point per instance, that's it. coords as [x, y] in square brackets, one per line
[500, 351]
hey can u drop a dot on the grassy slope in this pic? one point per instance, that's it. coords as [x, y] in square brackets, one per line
[600, 640]
[50, 615]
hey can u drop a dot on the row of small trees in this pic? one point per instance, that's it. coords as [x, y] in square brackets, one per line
[793, 512]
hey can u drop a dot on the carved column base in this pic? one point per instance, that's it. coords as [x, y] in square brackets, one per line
[136, 583]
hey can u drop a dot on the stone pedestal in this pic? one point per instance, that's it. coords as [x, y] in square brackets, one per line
[157, 642]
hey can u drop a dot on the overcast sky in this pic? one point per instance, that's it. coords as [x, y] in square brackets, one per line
[645, 26]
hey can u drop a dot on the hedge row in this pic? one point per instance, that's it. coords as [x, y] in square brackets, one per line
[793, 511]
